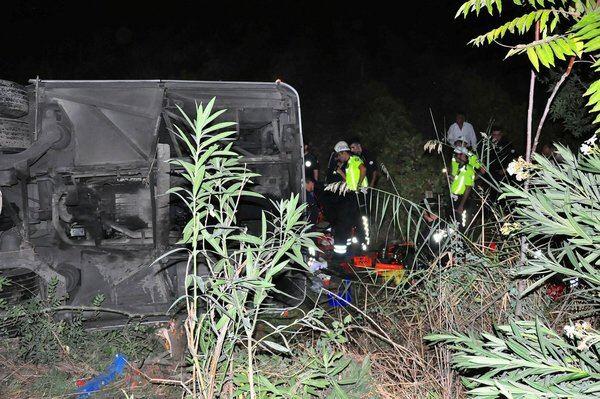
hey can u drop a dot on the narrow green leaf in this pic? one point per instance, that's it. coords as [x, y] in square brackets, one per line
[533, 58]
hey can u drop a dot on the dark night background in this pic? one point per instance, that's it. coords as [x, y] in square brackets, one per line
[338, 56]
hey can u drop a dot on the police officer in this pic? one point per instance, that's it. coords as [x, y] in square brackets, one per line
[354, 173]
[464, 165]
[369, 160]
[351, 168]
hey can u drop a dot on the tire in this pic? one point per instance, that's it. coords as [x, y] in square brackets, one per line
[14, 134]
[13, 100]
[24, 285]
[72, 277]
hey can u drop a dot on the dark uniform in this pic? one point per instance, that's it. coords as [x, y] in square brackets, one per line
[311, 163]
[349, 227]
[370, 163]
[332, 175]
[331, 201]
[503, 153]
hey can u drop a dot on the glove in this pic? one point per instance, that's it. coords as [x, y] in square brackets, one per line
[454, 197]
[364, 190]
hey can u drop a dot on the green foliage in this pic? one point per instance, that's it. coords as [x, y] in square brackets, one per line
[134, 340]
[526, 360]
[562, 204]
[477, 5]
[568, 107]
[578, 38]
[224, 305]
[521, 25]
[384, 125]
[42, 339]
[53, 384]
[47, 337]
[4, 282]
[559, 212]
[98, 300]
[315, 372]
[337, 334]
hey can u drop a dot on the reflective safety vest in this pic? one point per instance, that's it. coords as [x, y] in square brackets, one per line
[353, 173]
[464, 175]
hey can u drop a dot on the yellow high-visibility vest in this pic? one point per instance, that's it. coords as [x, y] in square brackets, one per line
[353, 173]
[463, 177]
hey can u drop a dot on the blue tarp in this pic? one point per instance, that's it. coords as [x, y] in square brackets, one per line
[115, 369]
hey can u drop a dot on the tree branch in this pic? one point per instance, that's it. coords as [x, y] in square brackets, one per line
[521, 284]
[530, 115]
[549, 102]
[101, 310]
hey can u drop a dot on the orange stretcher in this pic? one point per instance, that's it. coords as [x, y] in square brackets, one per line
[389, 271]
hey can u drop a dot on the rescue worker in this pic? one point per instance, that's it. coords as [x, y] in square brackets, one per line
[331, 200]
[352, 216]
[351, 167]
[503, 153]
[464, 164]
[311, 164]
[332, 166]
[369, 160]
[550, 152]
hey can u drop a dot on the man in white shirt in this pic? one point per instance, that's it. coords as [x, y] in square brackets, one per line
[461, 133]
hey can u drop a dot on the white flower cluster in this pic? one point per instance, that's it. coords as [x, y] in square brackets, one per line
[433, 145]
[583, 332]
[569, 331]
[590, 146]
[520, 168]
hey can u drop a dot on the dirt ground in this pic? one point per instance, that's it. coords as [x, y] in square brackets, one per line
[63, 379]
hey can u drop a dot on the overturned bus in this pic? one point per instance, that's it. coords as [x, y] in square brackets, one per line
[83, 174]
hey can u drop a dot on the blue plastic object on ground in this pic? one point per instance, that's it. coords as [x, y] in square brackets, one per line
[115, 369]
[343, 297]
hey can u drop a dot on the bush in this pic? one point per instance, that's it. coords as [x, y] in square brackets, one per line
[558, 211]
[385, 127]
[527, 360]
